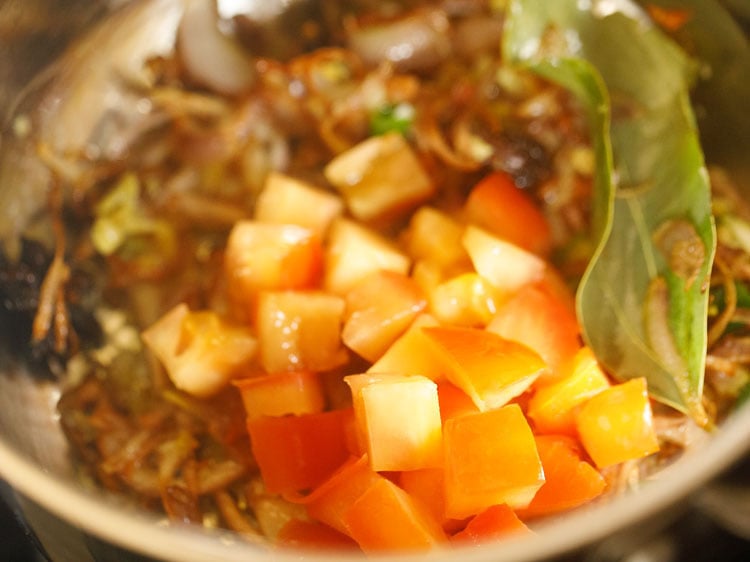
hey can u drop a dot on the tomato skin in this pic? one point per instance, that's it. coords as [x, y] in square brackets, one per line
[300, 330]
[386, 518]
[454, 401]
[569, 482]
[553, 406]
[490, 369]
[309, 535]
[617, 425]
[398, 420]
[294, 392]
[539, 320]
[490, 458]
[329, 502]
[264, 256]
[495, 522]
[379, 309]
[291, 453]
[409, 354]
[496, 204]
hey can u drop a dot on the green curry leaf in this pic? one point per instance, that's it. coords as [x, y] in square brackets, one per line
[642, 302]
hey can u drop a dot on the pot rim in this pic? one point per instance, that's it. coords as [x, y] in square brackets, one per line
[150, 536]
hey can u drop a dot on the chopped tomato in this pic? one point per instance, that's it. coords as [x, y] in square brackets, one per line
[427, 486]
[617, 425]
[300, 330]
[386, 518]
[495, 522]
[200, 351]
[454, 401]
[398, 419]
[569, 481]
[330, 501]
[263, 256]
[354, 252]
[490, 369]
[553, 407]
[288, 200]
[410, 354]
[504, 265]
[301, 534]
[290, 452]
[537, 319]
[379, 309]
[464, 300]
[435, 237]
[490, 458]
[496, 204]
[366, 174]
[295, 392]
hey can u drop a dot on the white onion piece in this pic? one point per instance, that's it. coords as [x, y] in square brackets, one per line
[210, 58]
[416, 42]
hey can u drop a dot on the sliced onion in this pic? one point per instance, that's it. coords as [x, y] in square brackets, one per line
[210, 58]
[416, 42]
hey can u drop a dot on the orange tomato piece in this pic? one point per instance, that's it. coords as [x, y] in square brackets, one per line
[379, 309]
[506, 266]
[496, 204]
[296, 453]
[288, 200]
[410, 354]
[569, 482]
[553, 407]
[386, 518]
[454, 401]
[309, 535]
[355, 252]
[329, 502]
[537, 319]
[490, 458]
[490, 369]
[300, 330]
[434, 236]
[464, 300]
[398, 419]
[294, 392]
[427, 486]
[263, 256]
[617, 424]
[495, 522]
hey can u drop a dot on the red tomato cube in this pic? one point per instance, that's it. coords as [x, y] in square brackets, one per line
[553, 407]
[490, 369]
[490, 458]
[294, 392]
[378, 310]
[398, 419]
[297, 453]
[569, 481]
[617, 425]
[539, 320]
[262, 256]
[386, 518]
[496, 204]
[411, 353]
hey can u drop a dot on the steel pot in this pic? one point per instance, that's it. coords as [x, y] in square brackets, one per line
[77, 521]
